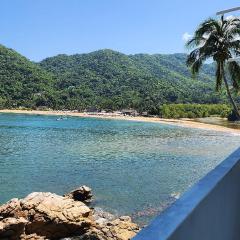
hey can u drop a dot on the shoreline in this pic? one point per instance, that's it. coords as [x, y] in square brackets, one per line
[187, 123]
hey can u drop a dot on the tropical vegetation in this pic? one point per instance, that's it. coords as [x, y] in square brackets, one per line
[194, 110]
[104, 79]
[218, 40]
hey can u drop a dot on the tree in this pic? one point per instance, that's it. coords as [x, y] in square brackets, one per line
[218, 40]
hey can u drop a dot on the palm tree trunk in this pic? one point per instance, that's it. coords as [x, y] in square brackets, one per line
[235, 108]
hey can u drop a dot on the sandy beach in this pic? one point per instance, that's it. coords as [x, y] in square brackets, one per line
[188, 123]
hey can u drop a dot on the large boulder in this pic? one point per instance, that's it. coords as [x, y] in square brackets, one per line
[49, 215]
[43, 216]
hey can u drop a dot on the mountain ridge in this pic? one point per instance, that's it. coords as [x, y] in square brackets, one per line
[104, 79]
[167, 74]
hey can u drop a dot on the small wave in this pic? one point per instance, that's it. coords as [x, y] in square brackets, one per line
[175, 195]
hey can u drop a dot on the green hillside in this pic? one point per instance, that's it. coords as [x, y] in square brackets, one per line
[112, 80]
[23, 83]
[103, 79]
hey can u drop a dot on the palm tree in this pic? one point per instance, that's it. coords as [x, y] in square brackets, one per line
[218, 40]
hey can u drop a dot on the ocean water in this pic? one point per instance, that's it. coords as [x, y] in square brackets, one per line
[132, 167]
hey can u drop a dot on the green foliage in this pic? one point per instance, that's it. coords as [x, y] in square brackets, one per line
[22, 83]
[194, 110]
[218, 40]
[103, 79]
[111, 80]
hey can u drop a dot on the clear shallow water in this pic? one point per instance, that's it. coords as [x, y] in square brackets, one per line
[133, 167]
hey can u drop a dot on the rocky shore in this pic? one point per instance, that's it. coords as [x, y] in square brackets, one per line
[44, 215]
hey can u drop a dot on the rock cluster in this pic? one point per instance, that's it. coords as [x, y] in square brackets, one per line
[42, 216]
[119, 229]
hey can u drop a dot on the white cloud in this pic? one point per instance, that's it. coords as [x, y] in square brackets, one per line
[229, 17]
[186, 36]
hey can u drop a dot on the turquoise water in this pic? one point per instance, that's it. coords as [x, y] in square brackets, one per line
[133, 167]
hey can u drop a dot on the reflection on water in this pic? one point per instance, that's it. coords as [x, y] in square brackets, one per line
[133, 167]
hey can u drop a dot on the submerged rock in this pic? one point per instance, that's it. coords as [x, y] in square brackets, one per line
[42, 216]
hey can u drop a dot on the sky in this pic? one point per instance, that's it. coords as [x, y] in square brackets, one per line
[43, 28]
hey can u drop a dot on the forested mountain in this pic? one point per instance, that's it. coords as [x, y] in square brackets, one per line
[23, 83]
[104, 79]
[109, 79]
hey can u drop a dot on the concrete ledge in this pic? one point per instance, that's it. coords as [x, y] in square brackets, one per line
[210, 210]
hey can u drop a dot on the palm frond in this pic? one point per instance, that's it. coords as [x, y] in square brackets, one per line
[218, 40]
[195, 61]
[196, 66]
[231, 29]
[192, 57]
[234, 45]
[207, 27]
[193, 42]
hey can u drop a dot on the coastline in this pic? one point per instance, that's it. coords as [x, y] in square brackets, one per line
[187, 123]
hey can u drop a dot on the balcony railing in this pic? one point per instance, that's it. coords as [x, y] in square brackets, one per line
[210, 210]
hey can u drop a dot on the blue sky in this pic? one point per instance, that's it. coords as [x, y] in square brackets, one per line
[43, 28]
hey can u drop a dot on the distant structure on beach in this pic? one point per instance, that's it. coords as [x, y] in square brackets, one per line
[130, 112]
